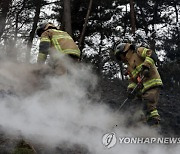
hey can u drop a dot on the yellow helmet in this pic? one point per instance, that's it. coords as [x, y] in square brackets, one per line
[43, 27]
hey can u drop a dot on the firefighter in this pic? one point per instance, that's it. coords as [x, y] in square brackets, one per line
[141, 65]
[55, 43]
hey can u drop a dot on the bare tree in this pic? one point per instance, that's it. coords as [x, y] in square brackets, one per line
[175, 4]
[153, 33]
[34, 26]
[67, 16]
[133, 24]
[4, 9]
[85, 24]
[17, 14]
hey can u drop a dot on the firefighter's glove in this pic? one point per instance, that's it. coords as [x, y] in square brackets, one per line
[131, 94]
[145, 71]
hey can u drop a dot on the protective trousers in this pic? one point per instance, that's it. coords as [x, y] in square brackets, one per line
[150, 99]
[60, 65]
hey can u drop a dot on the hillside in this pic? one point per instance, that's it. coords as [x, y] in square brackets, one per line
[92, 112]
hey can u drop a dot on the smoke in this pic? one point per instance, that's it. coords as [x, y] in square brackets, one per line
[57, 111]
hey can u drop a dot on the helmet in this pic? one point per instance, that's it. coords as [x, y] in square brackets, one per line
[119, 49]
[43, 27]
[122, 48]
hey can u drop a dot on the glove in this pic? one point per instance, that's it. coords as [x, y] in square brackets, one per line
[145, 71]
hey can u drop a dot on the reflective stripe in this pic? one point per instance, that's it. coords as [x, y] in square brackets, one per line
[67, 51]
[56, 42]
[41, 57]
[45, 39]
[136, 71]
[153, 113]
[60, 36]
[151, 83]
[55, 30]
[149, 60]
[72, 51]
[131, 85]
[144, 52]
[57, 45]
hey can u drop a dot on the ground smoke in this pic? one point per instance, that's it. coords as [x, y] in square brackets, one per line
[60, 111]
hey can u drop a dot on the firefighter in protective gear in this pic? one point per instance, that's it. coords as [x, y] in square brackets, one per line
[141, 62]
[54, 42]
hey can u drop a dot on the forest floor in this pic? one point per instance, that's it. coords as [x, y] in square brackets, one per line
[114, 93]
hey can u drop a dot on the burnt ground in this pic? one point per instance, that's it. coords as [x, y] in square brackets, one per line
[113, 93]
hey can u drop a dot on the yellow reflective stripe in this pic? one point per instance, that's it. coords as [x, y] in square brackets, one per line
[60, 36]
[56, 45]
[67, 51]
[131, 85]
[45, 39]
[153, 113]
[41, 56]
[151, 83]
[55, 30]
[72, 51]
[136, 70]
[144, 52]
[149, 60]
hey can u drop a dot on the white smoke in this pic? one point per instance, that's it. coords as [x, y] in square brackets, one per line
[61, 111]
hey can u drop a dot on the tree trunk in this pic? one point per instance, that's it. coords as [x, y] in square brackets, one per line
[4, 5]
[99, 63]
[67, 16]
[17, 19]
[85, 25]
[177, 26]
[144, 20]
[133, 25]
[125, 23]
[34, 26]
[153, 33]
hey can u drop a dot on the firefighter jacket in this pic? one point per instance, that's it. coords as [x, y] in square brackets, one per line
[135, 61]
[53, 40]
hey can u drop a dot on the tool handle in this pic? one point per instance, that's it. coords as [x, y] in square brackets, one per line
[131, 92]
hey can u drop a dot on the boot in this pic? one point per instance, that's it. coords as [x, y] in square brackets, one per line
[154, 123]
